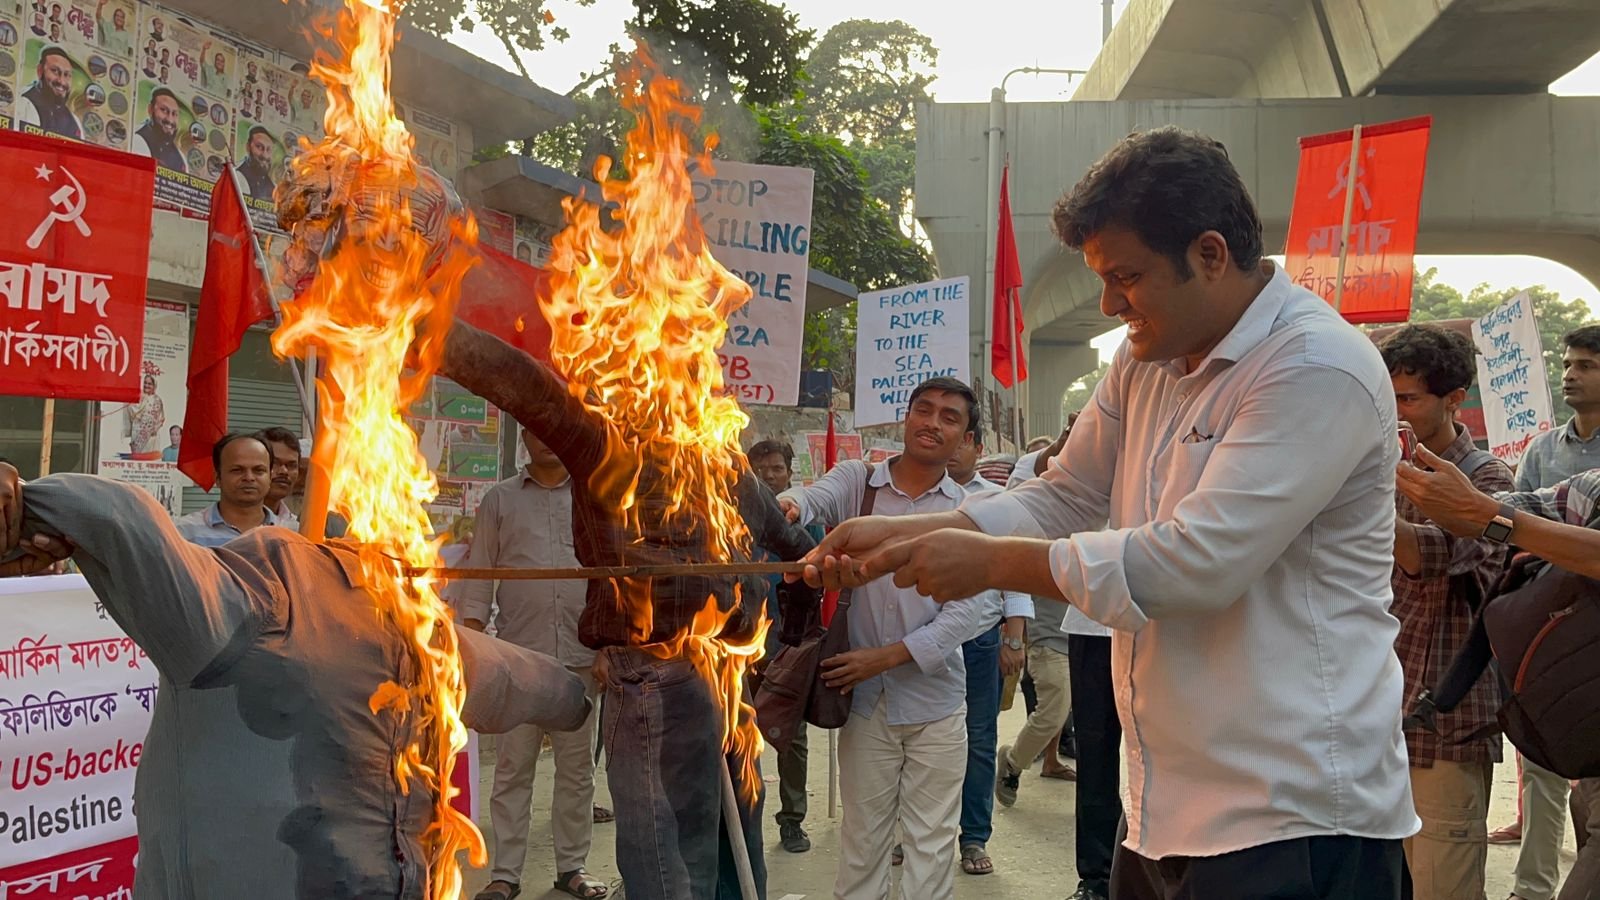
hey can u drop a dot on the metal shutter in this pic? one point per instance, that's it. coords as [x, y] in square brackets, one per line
[252, 406]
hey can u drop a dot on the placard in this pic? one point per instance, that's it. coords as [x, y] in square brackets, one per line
[904, 336]
[757, 220]
[1511, 374]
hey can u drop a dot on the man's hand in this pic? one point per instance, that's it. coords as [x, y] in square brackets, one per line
[791, 509]
[41, 555]
[837, 562]
[10, 509]
[954, 564]
[849, 669]
[1445, 495]
[1012, 661]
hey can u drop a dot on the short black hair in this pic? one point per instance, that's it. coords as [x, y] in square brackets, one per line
[1168, 186]
[230, 437]
[164, 92]
[259, 129]
[53, 50]
[277, 435]
[1442, 358]
[1585, 338]
[951, 386]
[769, 447]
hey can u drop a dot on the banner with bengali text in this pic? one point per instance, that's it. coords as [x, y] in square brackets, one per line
[74, 250]
[1386, 200]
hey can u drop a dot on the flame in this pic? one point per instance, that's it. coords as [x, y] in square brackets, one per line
[393, 250]
[637, 313]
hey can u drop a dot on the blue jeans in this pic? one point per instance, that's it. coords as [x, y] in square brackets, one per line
[663, 738]
[982, 656]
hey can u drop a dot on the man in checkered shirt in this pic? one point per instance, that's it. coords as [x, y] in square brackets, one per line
[1438, 581]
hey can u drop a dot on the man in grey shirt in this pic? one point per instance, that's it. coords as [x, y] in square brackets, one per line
[266, 773]
[526, 522]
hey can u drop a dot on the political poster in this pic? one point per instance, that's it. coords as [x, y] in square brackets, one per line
[139, 441]
[904, 336]
[757, 220]
[183, 108]
[848, 446]
[276, 108]
[75, 703]
[11, 49]
[75, 73]
[1516, 395]
[433, 140]
[74, 250]
[532, 242]
[1385, 198]
[497, 229]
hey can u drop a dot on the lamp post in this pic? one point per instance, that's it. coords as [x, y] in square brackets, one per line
[996, 135]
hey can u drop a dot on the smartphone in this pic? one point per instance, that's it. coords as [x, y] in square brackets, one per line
[1408, 442]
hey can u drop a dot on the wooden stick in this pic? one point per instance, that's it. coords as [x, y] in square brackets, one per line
[48, 436]
[600, 572]
[1349, 209]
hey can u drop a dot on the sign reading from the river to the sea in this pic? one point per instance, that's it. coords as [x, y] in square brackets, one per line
[1516, 394]
[757, 220]
[904, 336]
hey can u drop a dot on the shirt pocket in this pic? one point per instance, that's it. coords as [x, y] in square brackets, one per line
[1179, 470]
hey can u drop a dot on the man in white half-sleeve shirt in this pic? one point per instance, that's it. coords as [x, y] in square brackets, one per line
[1242, 447]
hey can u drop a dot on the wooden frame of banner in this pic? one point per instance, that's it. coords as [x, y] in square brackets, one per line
[1349, 212]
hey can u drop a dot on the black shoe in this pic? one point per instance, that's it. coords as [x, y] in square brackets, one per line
[1084, 892]
[793, 838]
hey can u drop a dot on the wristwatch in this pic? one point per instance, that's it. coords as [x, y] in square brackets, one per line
[1499, 527]
[1013, 643]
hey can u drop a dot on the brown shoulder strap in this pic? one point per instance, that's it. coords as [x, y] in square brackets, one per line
[869, 493]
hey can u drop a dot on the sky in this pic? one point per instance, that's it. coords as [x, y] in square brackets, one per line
[977, 45]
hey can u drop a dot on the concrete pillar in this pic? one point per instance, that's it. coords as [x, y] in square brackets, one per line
[1052, 368]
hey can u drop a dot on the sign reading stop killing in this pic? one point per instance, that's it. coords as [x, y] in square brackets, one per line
[74, 249]
[904, 336]
[757, 220]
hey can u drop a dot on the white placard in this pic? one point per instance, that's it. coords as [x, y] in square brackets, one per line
[1511, 376]
[758, 222]
[904, 336]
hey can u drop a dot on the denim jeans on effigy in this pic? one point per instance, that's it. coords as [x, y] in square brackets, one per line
[663, 738]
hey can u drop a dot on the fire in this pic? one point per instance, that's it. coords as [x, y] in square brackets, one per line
[393, 246]
[636, 314]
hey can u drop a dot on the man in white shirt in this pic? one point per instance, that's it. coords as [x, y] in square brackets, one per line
[993, 655]
[1243, 447]
[903, 752]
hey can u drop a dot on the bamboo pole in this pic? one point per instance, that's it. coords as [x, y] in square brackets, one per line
[601, 572]
[1349, 210]
[734, 822]
[48, 435]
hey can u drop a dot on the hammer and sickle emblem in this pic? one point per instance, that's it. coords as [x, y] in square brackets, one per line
[67, 205]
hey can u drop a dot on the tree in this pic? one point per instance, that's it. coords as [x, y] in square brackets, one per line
[1080, 392]
[1431, 301]
[517, 24]
[752, 43]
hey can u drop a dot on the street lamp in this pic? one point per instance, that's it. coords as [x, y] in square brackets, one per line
[996, 135]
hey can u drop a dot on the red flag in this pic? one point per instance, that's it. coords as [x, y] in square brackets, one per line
[233, 296]
[1007, 296]
[830, 458]
[1387, 197]
[74, 250]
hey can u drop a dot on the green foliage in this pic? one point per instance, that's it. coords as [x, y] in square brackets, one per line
[1432, 301]
[518, 24]
[867, 78]
[756, 45]
[1081, 391]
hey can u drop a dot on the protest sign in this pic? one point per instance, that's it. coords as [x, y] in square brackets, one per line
[184, 107]
[757, 220]
[904, 336]
[75, 73]
[77, 695]
[1516, 394]
[1385, 199]
[139, 441]
[74, 249]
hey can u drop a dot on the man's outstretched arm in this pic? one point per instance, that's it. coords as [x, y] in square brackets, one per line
[529, 391]
[509, 686]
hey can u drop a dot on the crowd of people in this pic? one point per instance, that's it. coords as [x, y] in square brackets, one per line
[1222, 575]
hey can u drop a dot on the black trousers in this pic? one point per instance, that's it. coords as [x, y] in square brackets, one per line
[1098, 734]
[1309, 868]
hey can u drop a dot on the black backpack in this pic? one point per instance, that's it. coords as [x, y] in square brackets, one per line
[1540, 629]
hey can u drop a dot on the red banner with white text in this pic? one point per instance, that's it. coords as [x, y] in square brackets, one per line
[74, 249]
[1386, 199]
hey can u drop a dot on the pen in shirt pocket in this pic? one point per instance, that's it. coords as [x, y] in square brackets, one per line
[1195, 437]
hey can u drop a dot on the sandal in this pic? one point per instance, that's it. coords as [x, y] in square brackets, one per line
[1065, 773]
[582, 885]
[603, 815]
[498, 890]
[975, 860]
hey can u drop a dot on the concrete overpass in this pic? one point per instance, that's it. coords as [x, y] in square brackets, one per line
[1510, 168]
[1506, 174]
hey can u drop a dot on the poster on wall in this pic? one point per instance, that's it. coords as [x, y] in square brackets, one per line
[183, 109]
[532, 242]
[11, 48]
[77, 703]
[75, 74]
[433, 139]
[139, 441]
[276, 107]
